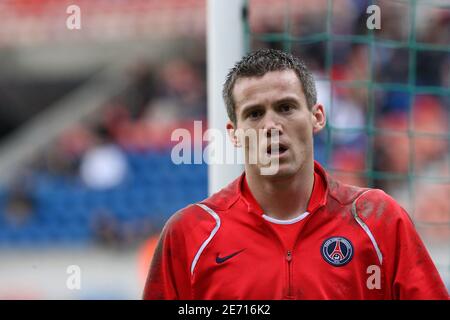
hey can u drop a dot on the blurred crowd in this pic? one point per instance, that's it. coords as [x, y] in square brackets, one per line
[95, 154]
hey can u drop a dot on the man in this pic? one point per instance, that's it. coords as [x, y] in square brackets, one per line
[294, 234]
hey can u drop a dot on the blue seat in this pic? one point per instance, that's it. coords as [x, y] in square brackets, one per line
[155, 189]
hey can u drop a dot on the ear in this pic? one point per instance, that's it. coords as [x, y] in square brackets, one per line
[232, 134]
[318, 117]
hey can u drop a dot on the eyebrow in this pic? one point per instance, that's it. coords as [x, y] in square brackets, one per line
[278, 102]
[288, 100]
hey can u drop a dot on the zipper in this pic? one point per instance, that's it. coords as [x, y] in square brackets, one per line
[287, 257]
[287, 253]
[289, 265]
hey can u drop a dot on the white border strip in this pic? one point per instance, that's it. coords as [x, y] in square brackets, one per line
[290, 221]
[366, 228]
[205, 243]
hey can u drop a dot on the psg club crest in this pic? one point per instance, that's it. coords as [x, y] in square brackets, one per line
[337, 251]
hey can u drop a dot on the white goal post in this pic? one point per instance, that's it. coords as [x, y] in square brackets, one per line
[225, 46]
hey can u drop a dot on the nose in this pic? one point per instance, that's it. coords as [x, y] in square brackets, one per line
[271, 124]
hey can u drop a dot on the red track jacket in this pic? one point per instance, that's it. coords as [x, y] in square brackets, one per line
[352, 243]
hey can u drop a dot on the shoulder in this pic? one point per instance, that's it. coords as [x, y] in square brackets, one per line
[366, 203]
[226, 197]
[378, 202]
[195, 222]
[343, 193]
[378, 208]
[205, 213]
[189, 219]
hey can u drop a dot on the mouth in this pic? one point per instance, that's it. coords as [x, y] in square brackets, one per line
[272, 149]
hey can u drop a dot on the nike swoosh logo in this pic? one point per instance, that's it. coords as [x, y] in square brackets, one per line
[223, 259]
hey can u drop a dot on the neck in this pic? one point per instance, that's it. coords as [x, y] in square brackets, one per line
[283, 197]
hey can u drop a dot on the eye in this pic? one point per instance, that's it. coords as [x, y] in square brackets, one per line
[286, 108]
[255, 114]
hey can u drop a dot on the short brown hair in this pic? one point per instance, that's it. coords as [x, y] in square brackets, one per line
[257, 64]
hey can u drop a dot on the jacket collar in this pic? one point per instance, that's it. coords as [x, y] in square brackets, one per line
[318, 196]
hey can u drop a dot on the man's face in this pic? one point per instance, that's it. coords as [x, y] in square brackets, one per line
[275, 103]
